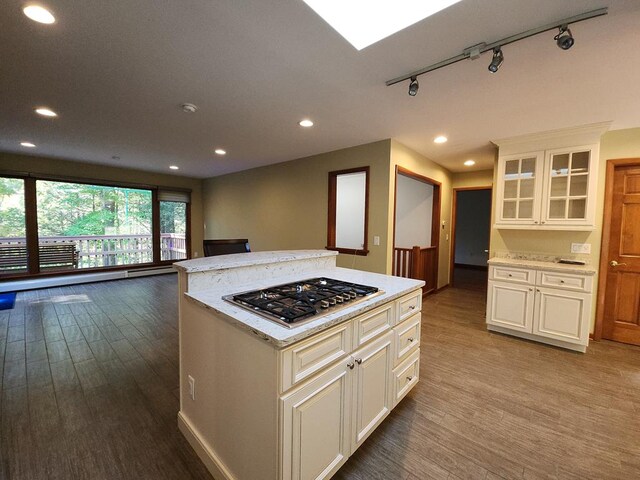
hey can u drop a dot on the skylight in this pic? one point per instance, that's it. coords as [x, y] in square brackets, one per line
[364, 22]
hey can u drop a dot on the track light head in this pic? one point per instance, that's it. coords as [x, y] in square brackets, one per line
[564, 39]
[413, 86]
[496, 61]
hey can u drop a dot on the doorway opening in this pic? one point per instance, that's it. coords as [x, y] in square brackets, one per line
[471, 226]
[416, 231]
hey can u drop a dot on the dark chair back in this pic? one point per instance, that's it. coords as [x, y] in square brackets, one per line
[224, 247]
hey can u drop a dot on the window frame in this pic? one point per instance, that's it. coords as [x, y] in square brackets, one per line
[31, 224]
[333, 198]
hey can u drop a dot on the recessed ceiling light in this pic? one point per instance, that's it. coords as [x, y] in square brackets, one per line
[28, 144]
[440, 139]
[174, 167]
[220, 151]
[470, 163]
[305, 123]
[45, 112]
[39, 14]
[363, 22]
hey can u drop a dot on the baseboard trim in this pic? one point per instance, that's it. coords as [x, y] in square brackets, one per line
[536, 338]
[215, 466]
[444, 287]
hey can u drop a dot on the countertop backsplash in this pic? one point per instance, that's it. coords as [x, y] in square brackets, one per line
[540, 257]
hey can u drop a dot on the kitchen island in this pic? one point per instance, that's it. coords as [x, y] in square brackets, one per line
[259, 400]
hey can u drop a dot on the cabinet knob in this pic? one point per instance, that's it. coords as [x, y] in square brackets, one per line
[543, 221]
[410, 378]
[350, 365]
[531, 289]
[412, 307]
[410, 339]
[358, 361]
[535, 221]
[561, 281]
[510, 275]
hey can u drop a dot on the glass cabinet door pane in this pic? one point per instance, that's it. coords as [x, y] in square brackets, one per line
[528, 169]
[578, 185]
[577, 208]
[511, 169]
[526, 188]
[580, 162]
[558, 187]
[557, 208]
[560, 164]
[509, 209]
[511, 189]
[525, 209]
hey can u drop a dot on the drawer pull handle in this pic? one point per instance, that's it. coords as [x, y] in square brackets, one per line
[410, 378]
[359, 361]
[350, 365]
[561, 281]
[410, 339]
[412, 307]
[510, 275]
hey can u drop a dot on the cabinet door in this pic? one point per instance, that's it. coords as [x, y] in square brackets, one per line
[510, 306]
[519, 189]
[570, 183]
[315, 423]
[372, 389]
[562, 315]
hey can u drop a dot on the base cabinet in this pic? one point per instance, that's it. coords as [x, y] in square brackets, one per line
[546, 306]
[316, 426]
[326, 418]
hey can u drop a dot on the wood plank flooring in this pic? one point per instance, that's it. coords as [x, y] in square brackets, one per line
[90, 390]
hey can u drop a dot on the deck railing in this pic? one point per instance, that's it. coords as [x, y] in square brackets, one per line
[108, 250]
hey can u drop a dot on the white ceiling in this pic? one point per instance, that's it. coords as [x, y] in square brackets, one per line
[117, 71]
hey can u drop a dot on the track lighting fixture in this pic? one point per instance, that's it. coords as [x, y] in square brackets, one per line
[496, 61]
[564, 39]
[413, 86]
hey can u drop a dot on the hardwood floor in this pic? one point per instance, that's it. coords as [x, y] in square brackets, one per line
[90, 390]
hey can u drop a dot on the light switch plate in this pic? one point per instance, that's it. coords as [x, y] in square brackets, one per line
[581, 248]
[376, 240]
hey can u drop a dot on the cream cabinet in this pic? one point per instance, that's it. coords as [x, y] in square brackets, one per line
[333, 396]
[552, 189]
[547, 306]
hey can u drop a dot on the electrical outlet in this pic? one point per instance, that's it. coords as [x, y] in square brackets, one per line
[192, 387]
[581, 248]
[195, 254]
[376, 240]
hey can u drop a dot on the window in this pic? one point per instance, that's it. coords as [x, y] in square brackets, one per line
[108, 226]
[173, 225]
[13, 241]
[56, 225]
[348, 211]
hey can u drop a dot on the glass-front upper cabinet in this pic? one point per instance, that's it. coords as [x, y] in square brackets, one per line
[553, 189]
[519, 185]
[570, 179]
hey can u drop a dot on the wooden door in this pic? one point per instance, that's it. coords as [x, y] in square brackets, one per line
[621, 314]
[315, 429]
[372, 387]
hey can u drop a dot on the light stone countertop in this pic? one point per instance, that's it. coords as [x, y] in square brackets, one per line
[249, 259]
[542, 265]
[281, 336]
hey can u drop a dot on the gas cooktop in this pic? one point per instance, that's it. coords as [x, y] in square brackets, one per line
[292, 304]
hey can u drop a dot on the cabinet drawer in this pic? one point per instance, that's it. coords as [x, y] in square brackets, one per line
[311, 355]
[409, 304]
[405, 376]
[372, 324]
[567, 281]
[407, 337]
[513, 274]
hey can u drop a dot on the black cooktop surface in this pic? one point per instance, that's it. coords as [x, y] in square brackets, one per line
[291, 303]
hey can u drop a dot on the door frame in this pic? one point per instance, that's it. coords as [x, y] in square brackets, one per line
[435, 214]
[454, 219]
[606, 234]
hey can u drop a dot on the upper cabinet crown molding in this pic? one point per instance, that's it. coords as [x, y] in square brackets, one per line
[552, 139]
